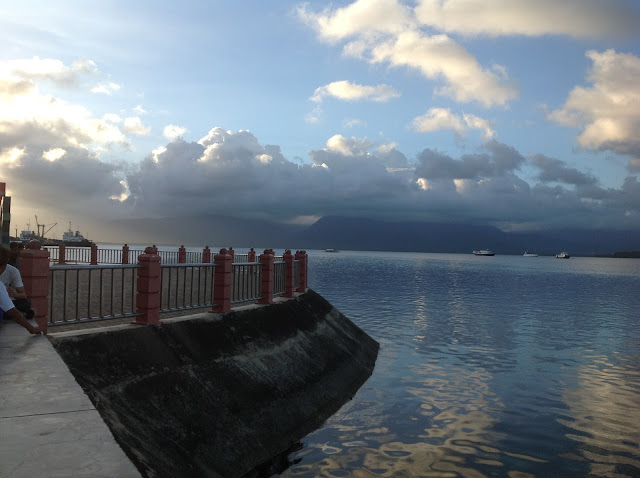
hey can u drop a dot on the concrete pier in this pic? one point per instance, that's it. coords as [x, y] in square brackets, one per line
[48, 425]
[210, 394]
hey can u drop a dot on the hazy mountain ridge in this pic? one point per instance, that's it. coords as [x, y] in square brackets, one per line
[349, 233]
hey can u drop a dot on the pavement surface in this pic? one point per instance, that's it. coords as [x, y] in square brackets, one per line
[48, 425]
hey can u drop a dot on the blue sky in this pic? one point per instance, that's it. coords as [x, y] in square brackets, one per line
[522, 114]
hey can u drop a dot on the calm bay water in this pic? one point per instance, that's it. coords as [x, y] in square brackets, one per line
[488, 366]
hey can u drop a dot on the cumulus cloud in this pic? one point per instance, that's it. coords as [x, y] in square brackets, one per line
[36, 68]
[436, 119]
[363, 17]
[32, 118]
[105, 88]
[576, 18]
[347, 91]
[608, 112]
[385, 31]
[134, 125]
[172, 132]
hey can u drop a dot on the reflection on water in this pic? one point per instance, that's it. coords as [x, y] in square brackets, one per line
[502, 366]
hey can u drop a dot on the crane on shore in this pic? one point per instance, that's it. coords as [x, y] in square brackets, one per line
[38, 225]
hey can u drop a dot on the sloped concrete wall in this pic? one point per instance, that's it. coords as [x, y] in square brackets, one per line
[219, 395]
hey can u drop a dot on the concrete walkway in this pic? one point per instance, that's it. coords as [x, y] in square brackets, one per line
[48, 425]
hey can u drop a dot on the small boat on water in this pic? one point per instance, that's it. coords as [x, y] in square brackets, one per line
[484, 252]
[331, 250]
[563, 255]
[530, 254]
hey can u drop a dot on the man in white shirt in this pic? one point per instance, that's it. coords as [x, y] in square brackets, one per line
[10, 312]
[12, 280]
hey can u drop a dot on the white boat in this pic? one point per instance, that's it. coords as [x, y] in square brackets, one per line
[484, 252]
[74, 238]
[563, 255]
[331, 250]
[530, 254]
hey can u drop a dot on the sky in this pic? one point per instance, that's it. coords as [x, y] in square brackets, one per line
[522, 114]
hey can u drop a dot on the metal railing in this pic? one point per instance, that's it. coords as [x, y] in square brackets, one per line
[186, 287]
[83, 292]
[246, 282]
[80, 293]
[279, 271]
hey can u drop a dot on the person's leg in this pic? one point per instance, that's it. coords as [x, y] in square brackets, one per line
[24, 306]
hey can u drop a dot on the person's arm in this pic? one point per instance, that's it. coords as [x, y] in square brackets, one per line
[15, 315]
[16, 292]
[6, 304]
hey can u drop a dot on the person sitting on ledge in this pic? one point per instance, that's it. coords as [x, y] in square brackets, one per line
[12, 280]
[10, 312]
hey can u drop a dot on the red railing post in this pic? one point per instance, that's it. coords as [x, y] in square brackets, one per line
[182, 255]
[34, 269]
[251, 256]
[62, 259]
[266, 288]
[288, 277]
[233, 254]
[206, 255]
[222, 282]
[94, 254]
[303, 258]
[148, 283]
[125, 254]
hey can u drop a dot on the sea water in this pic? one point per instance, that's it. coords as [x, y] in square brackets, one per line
[488, 366]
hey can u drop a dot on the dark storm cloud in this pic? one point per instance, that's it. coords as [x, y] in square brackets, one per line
[501, 159]
[554, 170]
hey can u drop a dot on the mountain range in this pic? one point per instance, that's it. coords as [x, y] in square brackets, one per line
[349, 233]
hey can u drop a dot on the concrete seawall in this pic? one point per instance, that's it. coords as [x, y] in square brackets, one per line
[219, 395]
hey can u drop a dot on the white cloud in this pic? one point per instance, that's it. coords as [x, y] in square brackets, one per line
[348, 146]
[134, 125]
[362, 17]
[112, 117]
[54, 154]
[440, 57]
[172, 132]
[347, 91]
[352, 123]
[139, 110]
[577, 18]
[105, 88]
[436, 119]
[36, 68]
[385, 32]
[608, 112]
[30, 117]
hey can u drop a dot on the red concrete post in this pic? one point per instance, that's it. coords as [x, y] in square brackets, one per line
[288, 273]
[94, 254]
[62, 254]
[222, 282]
[125, 254]
[206, 255]
[266, 288]
[182, 255]
[148, 282]
[251, 256]
[34, 269]
[303, 258]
